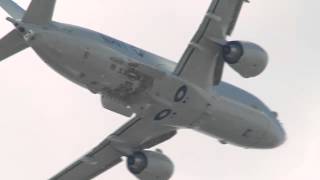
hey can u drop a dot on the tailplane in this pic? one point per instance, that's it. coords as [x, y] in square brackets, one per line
[39, 12]
[11, 44]
[13, 9]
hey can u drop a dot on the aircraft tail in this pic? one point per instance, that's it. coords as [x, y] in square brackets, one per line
[39, 12]
[13, 9]
[11, 44]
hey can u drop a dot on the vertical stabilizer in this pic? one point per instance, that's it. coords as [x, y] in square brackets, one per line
[39, 12]
[13, 9]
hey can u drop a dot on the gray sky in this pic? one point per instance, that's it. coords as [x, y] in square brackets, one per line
[47, 122]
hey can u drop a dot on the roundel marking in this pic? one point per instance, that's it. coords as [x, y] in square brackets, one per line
[162, 114]
[181, 93]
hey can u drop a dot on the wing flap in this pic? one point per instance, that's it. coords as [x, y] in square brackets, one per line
[91, 165]
[235, 17]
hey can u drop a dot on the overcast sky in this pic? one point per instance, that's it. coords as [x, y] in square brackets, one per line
[46, 122]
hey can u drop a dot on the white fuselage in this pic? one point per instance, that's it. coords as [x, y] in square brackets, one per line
[134, 78]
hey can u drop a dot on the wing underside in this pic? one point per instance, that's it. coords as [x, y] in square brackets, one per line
[201, 62]
[137, 134]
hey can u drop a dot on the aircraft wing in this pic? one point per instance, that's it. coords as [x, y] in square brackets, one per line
[137, 134]
[201, 62]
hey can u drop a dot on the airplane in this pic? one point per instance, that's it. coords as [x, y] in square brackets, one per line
[160, 96]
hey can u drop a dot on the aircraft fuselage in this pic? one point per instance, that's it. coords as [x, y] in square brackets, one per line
[135, 78]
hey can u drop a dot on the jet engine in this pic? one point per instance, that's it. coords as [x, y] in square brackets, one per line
[247, 58]
[149, 165]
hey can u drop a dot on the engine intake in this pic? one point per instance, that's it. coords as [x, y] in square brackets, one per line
[232, 52]
[247, 58]
[150, 165]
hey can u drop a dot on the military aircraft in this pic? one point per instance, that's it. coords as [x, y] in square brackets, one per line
[160, 96]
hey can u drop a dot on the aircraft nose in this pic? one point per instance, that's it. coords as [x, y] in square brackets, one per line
[274, 137]
[278, 135]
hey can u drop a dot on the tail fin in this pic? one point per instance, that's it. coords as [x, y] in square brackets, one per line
[11, 44]
[13, 9]
[39, 12]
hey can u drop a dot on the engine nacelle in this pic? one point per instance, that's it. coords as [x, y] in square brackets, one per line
[150, 165]
[247, 58]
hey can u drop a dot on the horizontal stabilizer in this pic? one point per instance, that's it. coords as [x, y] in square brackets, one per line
[39, 12]
[12, 8]
[11, 44]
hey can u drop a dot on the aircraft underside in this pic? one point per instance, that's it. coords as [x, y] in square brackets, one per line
[160, 96]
